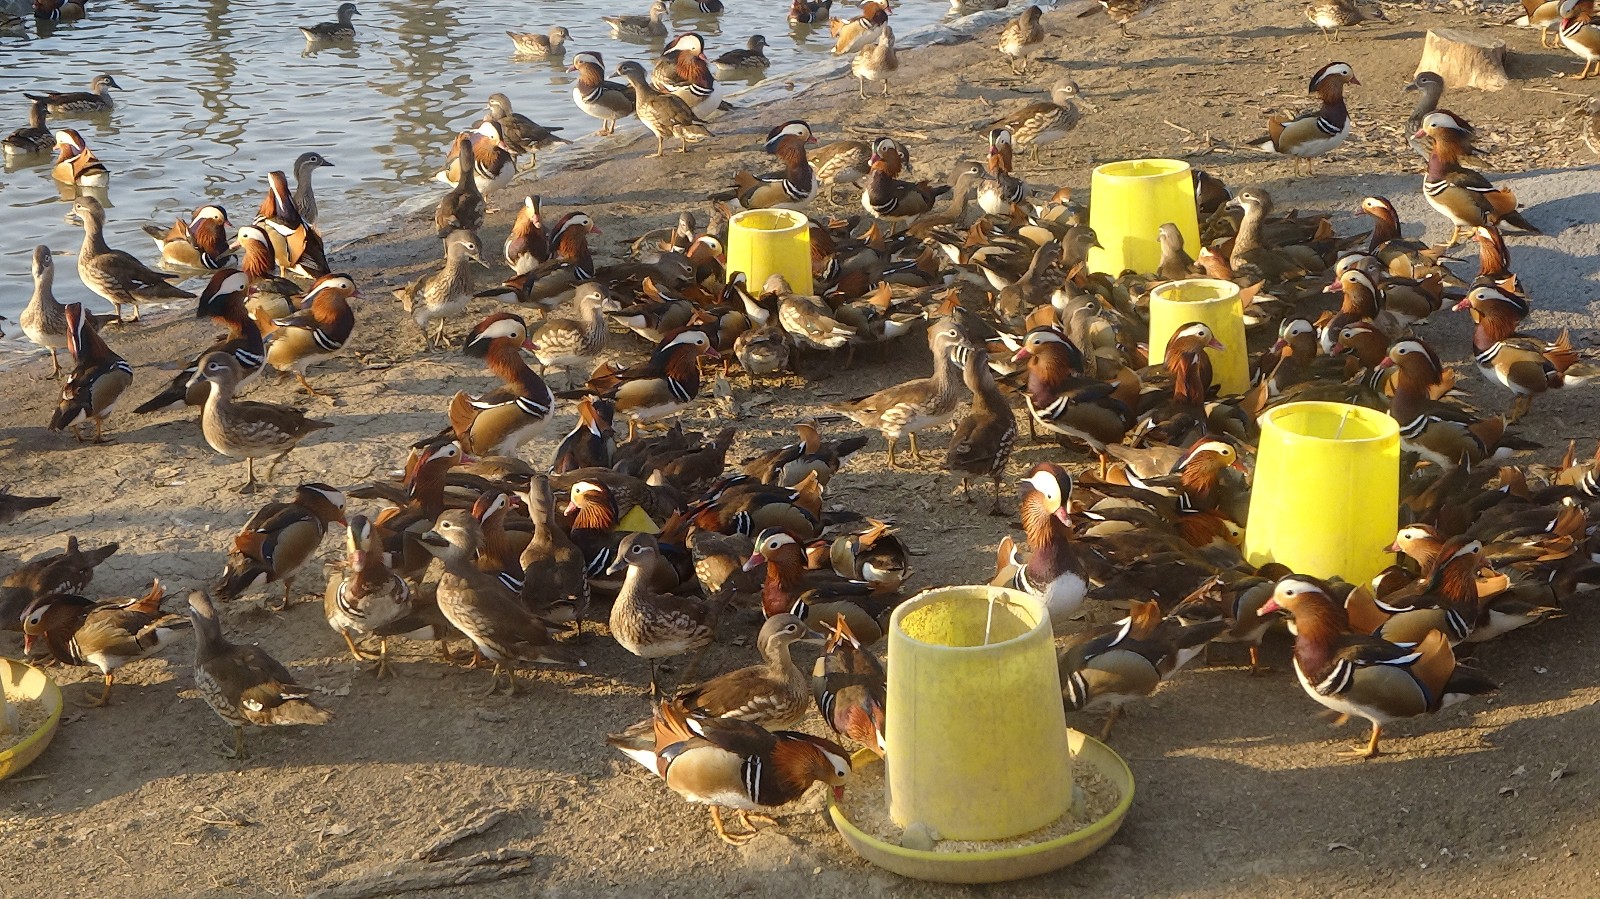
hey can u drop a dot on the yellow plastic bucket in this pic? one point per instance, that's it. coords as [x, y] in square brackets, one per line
[1325, 499]
[767, 242]
[976, 732]
[1214, 302]
[1129, 201]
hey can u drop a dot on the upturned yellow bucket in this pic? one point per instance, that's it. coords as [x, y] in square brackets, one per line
[1214, 302]
[976, 731]
[1325, 499]
[767, 242]
[1129, 201]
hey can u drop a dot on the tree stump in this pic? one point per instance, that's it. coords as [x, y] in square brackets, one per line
[1465, 59]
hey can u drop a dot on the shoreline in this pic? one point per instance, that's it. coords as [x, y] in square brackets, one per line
[409, 758]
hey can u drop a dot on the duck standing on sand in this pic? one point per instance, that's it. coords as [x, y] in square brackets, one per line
[665, 114]
[520, 133]
[97, 381]
[248, 430]
[1461, 194]
[914, 405]
[1022, 38]
[597, 97]
[114, 274]
[44, 319]
[305, 198]
[1045, 122]
[438, 295]
[1318, 131]
[876, 62]
[317, 332]
[684, 72]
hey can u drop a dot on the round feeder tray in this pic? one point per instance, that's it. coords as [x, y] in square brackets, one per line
[1012, 863]
[22, 683]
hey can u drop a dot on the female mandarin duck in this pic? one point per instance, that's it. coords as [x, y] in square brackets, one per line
[1366, 676]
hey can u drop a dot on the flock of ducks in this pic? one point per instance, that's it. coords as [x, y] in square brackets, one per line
[473, 544]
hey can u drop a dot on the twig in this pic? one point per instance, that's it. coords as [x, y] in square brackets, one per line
[1551, 90]
[475, 825]
[1177, 126]
[485, 867]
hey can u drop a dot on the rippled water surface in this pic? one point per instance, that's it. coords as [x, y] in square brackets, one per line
[218, 94]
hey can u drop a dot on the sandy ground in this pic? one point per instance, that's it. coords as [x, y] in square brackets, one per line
[1238, 787]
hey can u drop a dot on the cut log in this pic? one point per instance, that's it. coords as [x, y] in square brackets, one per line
[1465, 59]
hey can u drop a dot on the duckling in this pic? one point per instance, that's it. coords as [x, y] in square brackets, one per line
[44, 319]
[35, 138]
[751, 58]
[342, 30]
[76, 164]
[646, 27]
[650, 625]
[436, 296]
[876, 62]
[97, 99]
[97, 381]
[305, 198]
[243, 684]
[200, 243]
[247, 429]
[663, 113]
[552, 43]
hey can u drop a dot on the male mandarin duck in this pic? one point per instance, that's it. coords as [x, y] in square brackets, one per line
[788, 465]
[1238, 604]
[854, 33]
[1052, 570]
[482, 608]
[1463, 195]
[592, 442]
[365, 596]
[567, 263]
[1000, 192]
[1423, 430]
[1579, 33]
[1444, 599]
[809, 12]
[242, 683]
[109, 636]
[113, 274]
[605, 100]
[1366, 676]
[811, 594]
[1544, 15]
[684, 72]
[889, 199]
[729, 763]
[527, 245]
[222, 301]
[658, 387]
[1526, 366]
[1316, 132]
[851, 688]
[296, 246]
[917, 404]
[1061, 399]
[244, 429]
[316, 333]
[278, 541]
[1107, 667]
[501, 420]
[99, 377]
[201, 242]
[491, 163]
[791, 188]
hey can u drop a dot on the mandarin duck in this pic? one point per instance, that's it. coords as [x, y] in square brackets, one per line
[1463, 195]
[1580, 34]
[646, 27]
[481, 607]
[527, 245]
[1363, 676]
[67, 571]
[99, 377]
[520, 133]
[199, 243]
[436, 296]
[983, 439]
[462, 206]
[857, 32]
[684, 72]
[665, 114]
[1544, 15]
[591, 442]
[1430, 89]
[889, 199]
[1315, 132]
[875, 62]
[222, 301]
[500, 421]
[1331, 15]
[1045, 122]
[44, 319]
[113, 274]
[1062, 400]
[568, 343]
[605, 100]
[552, 43]
[1107, 667]
[810, 594]
[1021, 38]
[76, 164]
[491, 163]
[318, 331]
[364, 596]
[653, 625]
[242, 683]
[660, 386]
[555, 582]
[791, 188]
[788, 465]
[1053, 570]
[244, 429]
[1423, 429]
[809, 12]
[305, 196]
[850, 687]
[917, 404]
[107, 636]
[96, 99]
[342, 30]
[278, 540]
[35, 137]
[750, 59]
[729, 763]
[297, 247]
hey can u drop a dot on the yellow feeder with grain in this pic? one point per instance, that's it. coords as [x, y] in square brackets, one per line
[30, 711]
[977, 744]
[1129, 201]
[1325, 499]
[767, 242]
[1217, 305]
